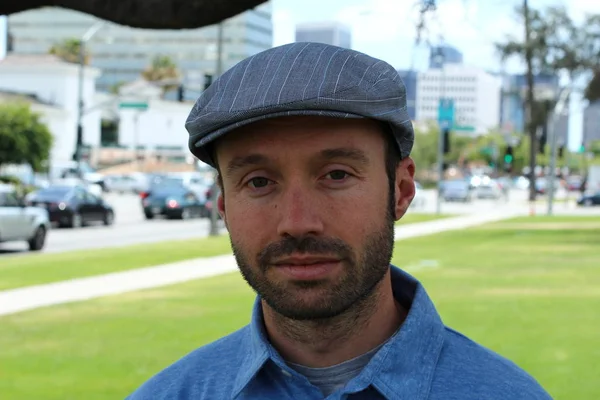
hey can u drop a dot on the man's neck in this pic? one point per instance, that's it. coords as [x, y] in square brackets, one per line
[324, 343]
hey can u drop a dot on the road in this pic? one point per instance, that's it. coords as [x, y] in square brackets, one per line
[131, 228]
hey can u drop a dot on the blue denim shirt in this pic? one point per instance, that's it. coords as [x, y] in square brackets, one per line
[423, 360]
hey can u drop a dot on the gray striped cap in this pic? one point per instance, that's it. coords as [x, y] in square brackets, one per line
[301, 79]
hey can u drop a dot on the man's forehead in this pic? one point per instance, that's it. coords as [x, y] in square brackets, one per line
[300, 128]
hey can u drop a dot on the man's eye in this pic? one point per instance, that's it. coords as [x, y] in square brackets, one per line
[258, 182]
[338, 175]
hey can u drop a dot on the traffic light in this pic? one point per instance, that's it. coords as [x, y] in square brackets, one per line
[208, 78]
[561, 151]
[446, 138]
[508, 155]
[508, 158]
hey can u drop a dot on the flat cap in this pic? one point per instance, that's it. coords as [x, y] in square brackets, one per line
[301, 79]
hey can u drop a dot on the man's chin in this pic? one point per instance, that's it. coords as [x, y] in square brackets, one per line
[307, 304]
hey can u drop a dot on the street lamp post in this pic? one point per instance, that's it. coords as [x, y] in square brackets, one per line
[214, 195]
[80, 104]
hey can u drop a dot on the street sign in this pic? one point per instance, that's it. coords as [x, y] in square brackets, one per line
[463, 128]
[138, 105]
[446, 113]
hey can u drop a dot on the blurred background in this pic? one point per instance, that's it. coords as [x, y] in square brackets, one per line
[106, 219]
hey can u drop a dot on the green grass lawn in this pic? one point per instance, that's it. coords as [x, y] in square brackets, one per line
[36, 269]
[412, 217]
[530, 292]
[44, 268]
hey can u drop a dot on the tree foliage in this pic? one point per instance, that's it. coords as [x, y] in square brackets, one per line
[558, 43]
[163, 69]
[488, 149]
[68, 50]
[424, 151]
[594, 148]
[24, 138]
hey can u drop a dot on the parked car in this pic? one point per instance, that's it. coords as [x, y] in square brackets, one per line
[19, 222]
[93, 188]
[541, 186]
[521, 183]
[158, 182]
[172, 201]
[127, 183]
[457, 190]
[589, 200]
[574, 183]
[193, 181]
[72, 169]
[72, 206]
[489, 190]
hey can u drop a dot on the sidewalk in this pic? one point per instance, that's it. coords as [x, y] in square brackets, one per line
[31, 297]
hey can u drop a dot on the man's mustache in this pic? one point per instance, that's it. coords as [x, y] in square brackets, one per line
[304, 245]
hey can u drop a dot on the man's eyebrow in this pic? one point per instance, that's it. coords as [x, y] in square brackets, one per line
[345, 153]
[241, 162]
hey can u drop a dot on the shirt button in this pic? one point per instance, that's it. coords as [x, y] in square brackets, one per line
[286, 373]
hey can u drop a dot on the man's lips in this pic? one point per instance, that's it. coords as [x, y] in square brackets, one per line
[307, 268]
[305, 261]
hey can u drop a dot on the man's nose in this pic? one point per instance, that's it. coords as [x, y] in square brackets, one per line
[299, 213]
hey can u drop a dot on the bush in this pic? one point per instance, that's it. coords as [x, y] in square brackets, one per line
[10, 179]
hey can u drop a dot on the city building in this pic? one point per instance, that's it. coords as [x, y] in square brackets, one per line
[333, 33]
[157, 129]
[122, 53]
[50, 86]
[475, 92]
[409, 77]
[512, 111]
[444, 55]
[514, 87]
[591, 123]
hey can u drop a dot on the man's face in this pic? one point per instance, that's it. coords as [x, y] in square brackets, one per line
[306, 202]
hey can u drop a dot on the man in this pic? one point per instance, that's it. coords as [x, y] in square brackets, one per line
[312, 146]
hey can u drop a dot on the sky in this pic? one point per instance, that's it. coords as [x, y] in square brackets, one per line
[386, 29]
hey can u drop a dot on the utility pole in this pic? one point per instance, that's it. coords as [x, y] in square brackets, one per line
[530, 127]
[556, 113]
[441, 134]
[80, 102]
[214, 192]
[430, 6]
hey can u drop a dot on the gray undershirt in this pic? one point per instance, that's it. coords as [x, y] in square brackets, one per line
[330, 379]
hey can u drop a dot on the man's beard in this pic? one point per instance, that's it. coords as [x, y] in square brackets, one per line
[360, 275]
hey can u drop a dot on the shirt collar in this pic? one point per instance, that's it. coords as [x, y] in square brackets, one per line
[402, 368]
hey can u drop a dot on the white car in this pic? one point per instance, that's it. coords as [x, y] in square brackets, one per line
[19, 222]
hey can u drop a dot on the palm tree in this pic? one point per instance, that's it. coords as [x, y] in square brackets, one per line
[68, 50]
[164, 71]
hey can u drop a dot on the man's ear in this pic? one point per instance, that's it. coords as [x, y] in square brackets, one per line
[221, 207]
[404, 186]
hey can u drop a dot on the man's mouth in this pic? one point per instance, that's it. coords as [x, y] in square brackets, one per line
[307, 268]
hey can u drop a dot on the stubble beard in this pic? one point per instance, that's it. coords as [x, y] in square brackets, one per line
[322, 301]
